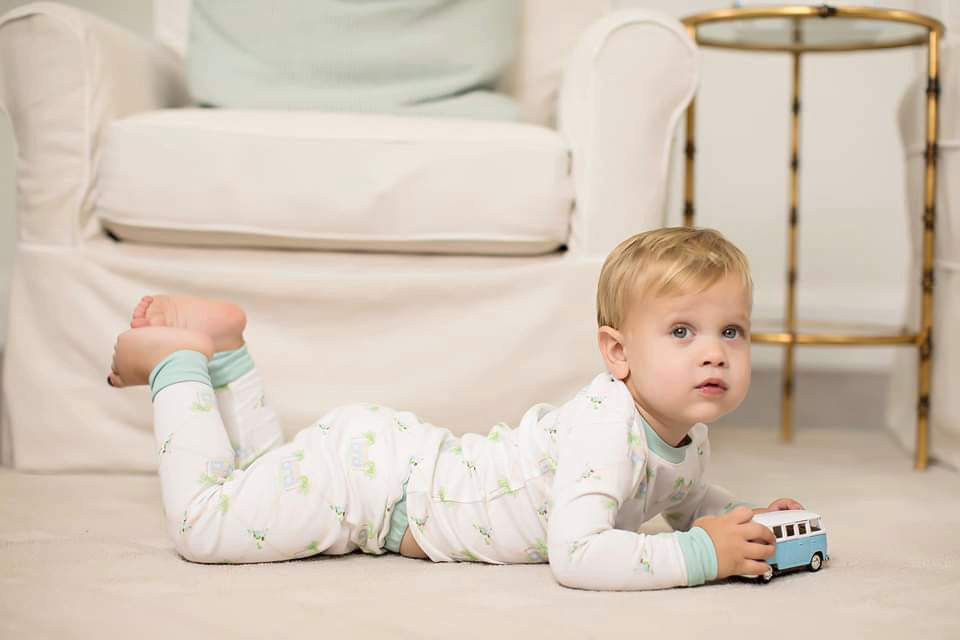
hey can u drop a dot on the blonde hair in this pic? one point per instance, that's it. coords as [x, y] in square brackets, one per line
[668, 261]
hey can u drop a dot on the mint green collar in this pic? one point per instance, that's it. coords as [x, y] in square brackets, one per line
[656, 444]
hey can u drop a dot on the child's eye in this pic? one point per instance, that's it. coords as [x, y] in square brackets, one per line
[731, 332]
[680, 332]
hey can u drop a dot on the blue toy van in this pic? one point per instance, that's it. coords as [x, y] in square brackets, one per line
[801, 541]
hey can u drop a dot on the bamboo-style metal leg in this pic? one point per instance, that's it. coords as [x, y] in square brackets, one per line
[925, 335]
[790, 319]
[689, 151]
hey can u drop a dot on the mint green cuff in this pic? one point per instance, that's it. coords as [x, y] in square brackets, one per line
[179, 366]
[699, 554]
[227, 366]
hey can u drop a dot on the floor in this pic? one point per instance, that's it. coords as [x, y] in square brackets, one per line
[88, 555]
[821, 399]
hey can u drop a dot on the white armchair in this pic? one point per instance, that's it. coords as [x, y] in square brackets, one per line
[447, 267]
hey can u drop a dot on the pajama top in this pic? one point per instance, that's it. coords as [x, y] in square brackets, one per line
[570, 486]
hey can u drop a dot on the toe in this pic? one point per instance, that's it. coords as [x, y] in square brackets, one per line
[155, 312]
[138, 322]
[141, 309]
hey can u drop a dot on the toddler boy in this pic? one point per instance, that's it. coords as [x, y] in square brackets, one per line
[570, 485]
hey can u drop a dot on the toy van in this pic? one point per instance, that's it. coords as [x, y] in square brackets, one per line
[801, 541]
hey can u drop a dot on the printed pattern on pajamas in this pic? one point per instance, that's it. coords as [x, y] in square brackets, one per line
[234, 492]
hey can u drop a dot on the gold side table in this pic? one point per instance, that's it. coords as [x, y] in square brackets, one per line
[803, 29]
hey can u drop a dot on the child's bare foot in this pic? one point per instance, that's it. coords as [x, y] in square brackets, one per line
[138, 351]
[222, 321]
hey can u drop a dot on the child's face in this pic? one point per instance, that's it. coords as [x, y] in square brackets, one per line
[687, 357]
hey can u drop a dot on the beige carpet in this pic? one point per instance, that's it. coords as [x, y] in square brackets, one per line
[86, 556]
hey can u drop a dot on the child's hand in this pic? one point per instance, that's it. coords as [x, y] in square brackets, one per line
[781, 504]
[741, 545]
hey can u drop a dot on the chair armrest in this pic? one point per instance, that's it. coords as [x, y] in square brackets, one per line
[628, 82]
[64, 76]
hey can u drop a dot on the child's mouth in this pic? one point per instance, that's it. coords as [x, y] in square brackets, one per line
[712, 388]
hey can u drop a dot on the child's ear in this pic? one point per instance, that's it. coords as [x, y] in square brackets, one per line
[611, 348]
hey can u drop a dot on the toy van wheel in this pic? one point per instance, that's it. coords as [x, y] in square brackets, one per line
[766, 577]
[816, 562]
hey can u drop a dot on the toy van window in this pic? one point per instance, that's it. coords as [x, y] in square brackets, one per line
[778, 531]
[815, 525]
[802, 528]
[790, 532]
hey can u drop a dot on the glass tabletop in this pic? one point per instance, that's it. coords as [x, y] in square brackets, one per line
[809, 28]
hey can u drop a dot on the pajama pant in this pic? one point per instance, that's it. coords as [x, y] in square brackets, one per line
[233, 491]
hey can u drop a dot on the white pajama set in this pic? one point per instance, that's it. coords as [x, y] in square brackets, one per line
[570, 485]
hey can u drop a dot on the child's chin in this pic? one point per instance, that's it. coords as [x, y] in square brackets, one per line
[707, 414]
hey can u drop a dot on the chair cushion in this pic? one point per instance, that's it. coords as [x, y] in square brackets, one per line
[334, 181]
[353, 55]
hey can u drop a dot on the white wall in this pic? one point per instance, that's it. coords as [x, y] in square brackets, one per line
[8, 222]
[853, 250]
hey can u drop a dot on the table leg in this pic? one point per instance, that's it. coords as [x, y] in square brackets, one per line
[925, 335]
[689, 150]
[790, 320]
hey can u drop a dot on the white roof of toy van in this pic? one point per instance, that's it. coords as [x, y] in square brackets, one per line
[774, 518]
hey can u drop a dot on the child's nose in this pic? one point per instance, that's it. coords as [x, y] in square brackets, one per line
[714, 356]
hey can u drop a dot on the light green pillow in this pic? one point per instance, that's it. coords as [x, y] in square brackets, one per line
[431, 57]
